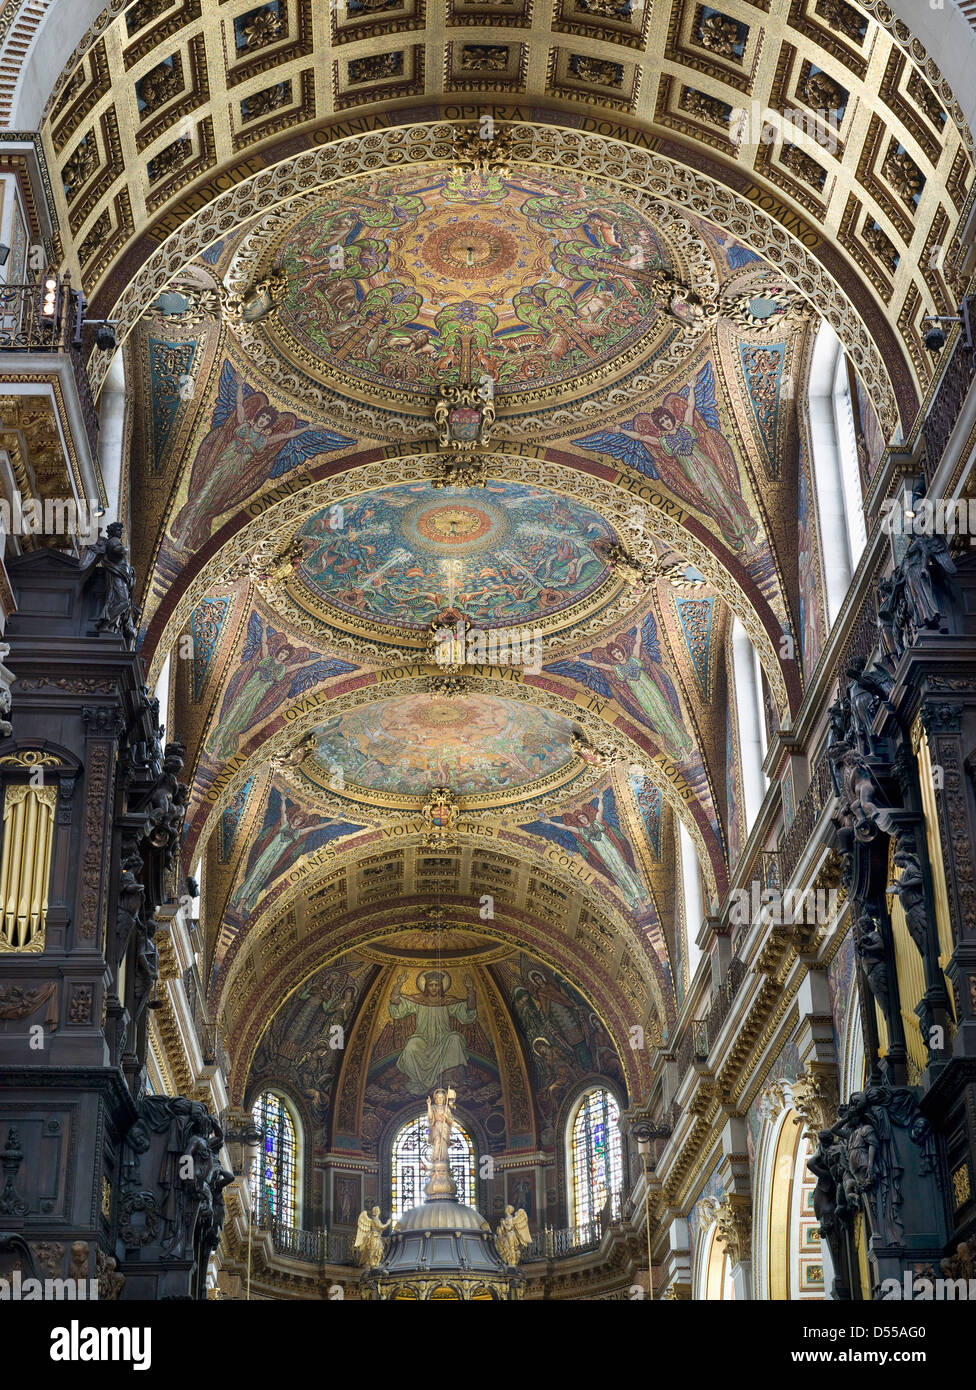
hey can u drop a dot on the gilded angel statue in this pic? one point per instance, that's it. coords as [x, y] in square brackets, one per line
[512, 1235]
[369, 1245]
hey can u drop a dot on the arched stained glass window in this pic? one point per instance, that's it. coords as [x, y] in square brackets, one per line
[597, 1161]
[412, 1162]
[273, 1170]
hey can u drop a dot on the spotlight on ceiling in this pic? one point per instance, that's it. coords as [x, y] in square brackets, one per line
[105, 339]
[934, 336]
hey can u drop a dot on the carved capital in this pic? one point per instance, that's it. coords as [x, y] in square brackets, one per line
[734, 1226]
[102, 721]
[815, 1097]
[941, 717]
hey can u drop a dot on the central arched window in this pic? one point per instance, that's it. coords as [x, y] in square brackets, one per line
[412, 1162]
[596, 1159]
[273, 1170]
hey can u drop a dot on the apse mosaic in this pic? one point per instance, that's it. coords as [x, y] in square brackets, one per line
[299, 1049]
[413, 281]
[434, 1027]
[230, 820]
[478, 745]
[428, 1024]
[502, 555]
[762, 366]
[565, 1038]
[490, 1030]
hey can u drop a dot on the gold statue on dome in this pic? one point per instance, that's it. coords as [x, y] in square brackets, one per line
[369, 1245]
[513, 1235]
[440, 1122]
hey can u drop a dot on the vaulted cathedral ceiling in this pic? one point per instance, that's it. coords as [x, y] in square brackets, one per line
[309, 566]
[306, 246]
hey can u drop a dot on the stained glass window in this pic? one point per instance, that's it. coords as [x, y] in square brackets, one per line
[412, 1161]
[596, 1153]
[273, 1170]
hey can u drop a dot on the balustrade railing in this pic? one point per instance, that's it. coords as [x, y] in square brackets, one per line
[722, 1003]
[34, 318]
[336, 1247]
[294, 1241]
[567, 1241]
[797, 837]
[951, 392]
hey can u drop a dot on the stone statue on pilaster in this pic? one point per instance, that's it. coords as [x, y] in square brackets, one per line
[117, 613]
[923, 576]
[910, 891]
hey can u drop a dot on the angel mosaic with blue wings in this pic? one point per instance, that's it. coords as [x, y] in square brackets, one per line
[681, 442]
[629, 669]
[593, 831]
[268, 660]
[249, 442]
[288, 833]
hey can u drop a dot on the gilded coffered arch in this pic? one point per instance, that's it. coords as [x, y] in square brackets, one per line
[593, 156]
[865, 195]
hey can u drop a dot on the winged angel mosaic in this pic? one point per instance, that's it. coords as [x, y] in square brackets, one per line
[630, 670]
[249, 443]
[268, 660]
[681, 443]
